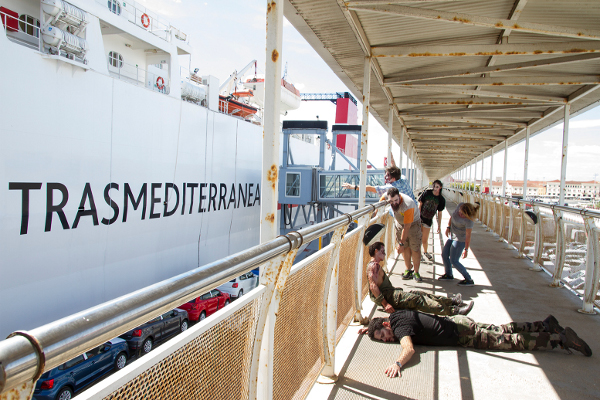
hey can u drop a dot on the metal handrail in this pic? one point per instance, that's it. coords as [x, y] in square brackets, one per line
[68, 337]
[580, 211]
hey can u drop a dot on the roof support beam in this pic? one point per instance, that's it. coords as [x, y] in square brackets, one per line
[470, 50]
[475, 20]
[494, 68]
[438, 135]
[454, 110]
[488, 93]
[472, 120]
[506, 81]
[483, 113]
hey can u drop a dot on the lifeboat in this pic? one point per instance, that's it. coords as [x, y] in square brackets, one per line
[227, 105]
[290, 96]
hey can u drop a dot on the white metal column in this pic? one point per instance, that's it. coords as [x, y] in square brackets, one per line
[390, 133]
[491, 170]
[401, 147]
[481, 181]
[270, 158]
[563, 164]
[526, 164]
[364, 134]
[505, 168]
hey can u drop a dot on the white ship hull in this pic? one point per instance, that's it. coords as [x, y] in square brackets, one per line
[79, 150]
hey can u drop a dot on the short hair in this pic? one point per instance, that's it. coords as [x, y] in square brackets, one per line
[374, 247]
[394, 172]
[438, 182]
[391, 192]
[470, 210]
[376, 324]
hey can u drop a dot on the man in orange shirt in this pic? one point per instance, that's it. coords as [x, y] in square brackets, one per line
[407, 222]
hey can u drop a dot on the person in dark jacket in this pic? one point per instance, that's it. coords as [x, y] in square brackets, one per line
[413, 327]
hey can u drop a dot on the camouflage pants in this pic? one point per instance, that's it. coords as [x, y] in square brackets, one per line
[419, 301]
[514, 336]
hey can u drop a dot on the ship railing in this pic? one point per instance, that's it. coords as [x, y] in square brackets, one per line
[138, 76]
[21, 30]
[273, 342]
[144, 18]
[561, 240]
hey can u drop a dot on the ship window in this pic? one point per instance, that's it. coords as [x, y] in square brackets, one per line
[115, 59]
[114, 7]
[292, 184]
[28, 25]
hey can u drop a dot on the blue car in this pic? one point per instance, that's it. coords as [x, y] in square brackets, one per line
[62, 382]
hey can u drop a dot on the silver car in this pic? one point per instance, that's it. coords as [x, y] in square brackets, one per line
[240, 285]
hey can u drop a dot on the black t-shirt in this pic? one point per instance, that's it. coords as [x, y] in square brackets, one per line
[425, 329]
[431, 204]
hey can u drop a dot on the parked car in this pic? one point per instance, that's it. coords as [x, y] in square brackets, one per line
[240, 285]
[205, 305]
[62, 382]
[143, 338]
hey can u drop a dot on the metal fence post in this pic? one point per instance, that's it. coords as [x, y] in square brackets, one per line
[559, 261]
[330, 309]
[362, 225]
[511, 226]
[539, 243]
[592, 268]
[523, 233]
[273, 276]
[502, 223]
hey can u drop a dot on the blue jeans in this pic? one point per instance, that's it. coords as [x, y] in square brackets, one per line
[451, 257]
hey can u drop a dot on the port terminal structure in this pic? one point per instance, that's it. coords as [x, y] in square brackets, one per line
[310, 194]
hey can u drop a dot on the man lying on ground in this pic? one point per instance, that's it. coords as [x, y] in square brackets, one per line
[412, 327]
[390, 298]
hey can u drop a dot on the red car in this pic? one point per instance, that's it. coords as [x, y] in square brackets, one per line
[205, 305]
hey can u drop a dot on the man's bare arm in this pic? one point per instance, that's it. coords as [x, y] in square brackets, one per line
[372, 274]
[407, 352]
[405, 232]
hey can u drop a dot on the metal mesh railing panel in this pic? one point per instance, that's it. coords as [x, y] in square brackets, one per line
[505, 221]
[299, 331]
[196, 370]
[365, 280]
[575, 255]
[498, 218]
[548, 242]
[515, 239]
[346, 277]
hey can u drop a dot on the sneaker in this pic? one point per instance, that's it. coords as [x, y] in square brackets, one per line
[429, 256]
[466, 308]
[417, 277]
[457, 299]
[570, 340]
[552, 325]
[445, 277]
[466, 282]
[407, 274]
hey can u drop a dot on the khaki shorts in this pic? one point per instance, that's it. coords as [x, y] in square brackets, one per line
[414, 238]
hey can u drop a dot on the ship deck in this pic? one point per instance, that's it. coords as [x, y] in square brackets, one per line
[505, 290]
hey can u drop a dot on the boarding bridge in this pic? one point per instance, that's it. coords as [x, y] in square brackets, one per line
[284, 336]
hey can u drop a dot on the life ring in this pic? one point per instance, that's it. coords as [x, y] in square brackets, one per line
[145, 20]
[160, 83]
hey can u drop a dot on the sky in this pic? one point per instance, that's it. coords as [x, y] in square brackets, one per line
[226, 35]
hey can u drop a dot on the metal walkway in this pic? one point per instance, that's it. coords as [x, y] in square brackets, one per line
[505, 290]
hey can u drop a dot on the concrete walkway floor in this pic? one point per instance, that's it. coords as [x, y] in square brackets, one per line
[505, 290]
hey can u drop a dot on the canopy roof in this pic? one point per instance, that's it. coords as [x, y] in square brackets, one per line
[462, 76]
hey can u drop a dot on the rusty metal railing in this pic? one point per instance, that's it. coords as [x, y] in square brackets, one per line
[271, 343]
[561, 240]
